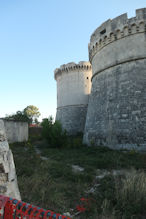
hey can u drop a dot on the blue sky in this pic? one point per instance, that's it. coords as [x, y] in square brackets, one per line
[37, 36]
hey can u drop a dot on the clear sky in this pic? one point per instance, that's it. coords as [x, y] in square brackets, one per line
[37, 36]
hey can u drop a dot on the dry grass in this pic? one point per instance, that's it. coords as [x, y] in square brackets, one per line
[51, 184]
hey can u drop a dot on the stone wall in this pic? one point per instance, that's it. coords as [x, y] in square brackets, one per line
[8, 179]
[35, 131]
[72, 118]
[116, 115]
[16, 131]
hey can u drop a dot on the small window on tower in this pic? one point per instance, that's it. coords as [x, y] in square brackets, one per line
[87, 78]
[103, 31]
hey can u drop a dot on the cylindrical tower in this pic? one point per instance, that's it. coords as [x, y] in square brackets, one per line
[116, 114]
[73, 89]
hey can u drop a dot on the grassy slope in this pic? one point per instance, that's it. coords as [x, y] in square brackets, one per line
[51, 184]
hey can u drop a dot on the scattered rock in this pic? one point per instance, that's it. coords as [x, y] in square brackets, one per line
[38, 151]
[67, 214]
[44, 158]
[101, 174]
[93, 189]
[118, 172]
[77, 169]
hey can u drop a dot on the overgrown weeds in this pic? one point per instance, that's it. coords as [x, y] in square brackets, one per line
[53, 185]
[131, 194]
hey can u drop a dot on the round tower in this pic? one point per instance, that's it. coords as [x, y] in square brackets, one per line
[73, 89]
[116, 114]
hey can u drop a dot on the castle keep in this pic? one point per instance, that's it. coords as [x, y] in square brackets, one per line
[116, 113]
[73, 89]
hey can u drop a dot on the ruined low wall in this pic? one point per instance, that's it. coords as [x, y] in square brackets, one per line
[8, 178]
[16, 131]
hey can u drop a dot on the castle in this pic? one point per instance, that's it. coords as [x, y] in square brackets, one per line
[107, 102]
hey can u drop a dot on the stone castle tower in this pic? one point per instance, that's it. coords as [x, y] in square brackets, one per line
[117, 108]
[116, 114]
[73, 89]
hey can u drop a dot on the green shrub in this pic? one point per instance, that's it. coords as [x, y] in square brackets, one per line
[47, 125]
[54, 133]
[19, 116]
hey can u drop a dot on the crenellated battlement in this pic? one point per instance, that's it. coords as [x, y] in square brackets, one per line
[72, 66]
[115, 29]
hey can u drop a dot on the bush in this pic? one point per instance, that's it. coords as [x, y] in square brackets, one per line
[19, 116]
[54, 133]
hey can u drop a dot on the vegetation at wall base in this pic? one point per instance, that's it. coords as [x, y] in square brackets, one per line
[53, 133]
[117, 179]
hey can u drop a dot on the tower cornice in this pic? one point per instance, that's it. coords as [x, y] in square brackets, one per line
[116, 29]
[72, 66]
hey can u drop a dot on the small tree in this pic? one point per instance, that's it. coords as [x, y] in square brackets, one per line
[54, 133]
[32, 112]
[47, 125]
[19, 116]
[59, 136]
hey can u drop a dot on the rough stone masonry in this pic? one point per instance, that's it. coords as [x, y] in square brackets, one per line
[116, 110]
[116, 115]
[8, 179]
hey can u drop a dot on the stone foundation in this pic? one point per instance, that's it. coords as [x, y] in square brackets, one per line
[72, 118]
[118, 118]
